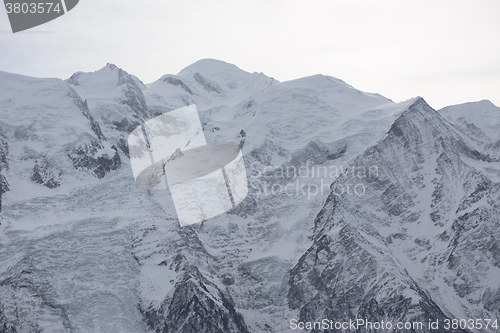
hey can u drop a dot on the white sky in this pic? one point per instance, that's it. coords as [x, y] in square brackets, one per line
[447, 51]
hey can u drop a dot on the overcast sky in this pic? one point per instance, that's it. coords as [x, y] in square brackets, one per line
[447, 51]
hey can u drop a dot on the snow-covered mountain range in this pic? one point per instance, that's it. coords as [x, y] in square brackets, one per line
[359, 207]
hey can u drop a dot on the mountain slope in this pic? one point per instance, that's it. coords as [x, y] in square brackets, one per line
[420, 243]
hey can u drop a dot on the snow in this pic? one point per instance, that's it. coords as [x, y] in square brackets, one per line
[483, 114]
[98, 248]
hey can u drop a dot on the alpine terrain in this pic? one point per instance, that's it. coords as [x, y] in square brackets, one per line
[359, 209]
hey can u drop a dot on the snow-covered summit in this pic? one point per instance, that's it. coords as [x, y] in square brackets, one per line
[209, 83]
[116, 99]
[215, 69]
[484, 115]
[479, 121]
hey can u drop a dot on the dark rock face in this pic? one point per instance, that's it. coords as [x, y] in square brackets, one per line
[87, 155]
[123, 145]
[178, 83]
[4, 151]
[4, 164]
[4, 187]
[46, 174]
[207, 84]
[197, 305]
[227, 279]
[134, 97]
[337, 154]
[83, 106]
[125, 125]
[355, 267]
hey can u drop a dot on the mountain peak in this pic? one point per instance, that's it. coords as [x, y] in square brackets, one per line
[470, 106]
[111, 66]
[219, 71]
[110, 75]
[206, 66]
[418, 111]
[473, 111]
